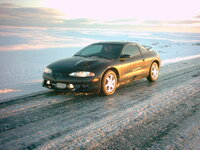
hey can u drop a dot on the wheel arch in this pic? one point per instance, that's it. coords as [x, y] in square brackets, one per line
[115, 71]
[156, 61]
[102, 91]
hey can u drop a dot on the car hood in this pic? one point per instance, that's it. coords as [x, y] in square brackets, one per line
[76, 64]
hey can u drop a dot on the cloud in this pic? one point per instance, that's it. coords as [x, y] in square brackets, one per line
[198, 16]
[179, 22]
[26, 28]
[13, 15]
[122, 21]
[23, 38]
[8, 5]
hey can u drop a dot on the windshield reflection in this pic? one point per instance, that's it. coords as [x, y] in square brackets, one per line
[107, 51]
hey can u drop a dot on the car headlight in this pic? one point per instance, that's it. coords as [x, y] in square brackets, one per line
[47, 70]
[82, 74]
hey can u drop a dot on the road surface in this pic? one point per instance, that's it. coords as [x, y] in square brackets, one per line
[140, 115]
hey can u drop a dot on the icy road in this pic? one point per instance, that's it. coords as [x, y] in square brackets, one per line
[141, 115]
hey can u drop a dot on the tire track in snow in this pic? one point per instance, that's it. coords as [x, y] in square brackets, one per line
[135, 115]
[50, 124]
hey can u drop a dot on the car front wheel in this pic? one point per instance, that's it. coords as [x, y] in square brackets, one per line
[153, 73]
[109, 83]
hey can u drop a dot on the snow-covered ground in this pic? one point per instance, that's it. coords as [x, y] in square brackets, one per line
[141, 115]
[161, 115]
[24, 57]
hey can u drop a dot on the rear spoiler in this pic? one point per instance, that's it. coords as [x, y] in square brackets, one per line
[147, 47]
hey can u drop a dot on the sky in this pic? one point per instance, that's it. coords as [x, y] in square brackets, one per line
[142, 15]
[42, 24]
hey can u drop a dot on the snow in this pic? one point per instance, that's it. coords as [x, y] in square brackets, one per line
[21, 70]
[139, 115]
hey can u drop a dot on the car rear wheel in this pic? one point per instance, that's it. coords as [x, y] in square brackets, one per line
[109, 83]
[153, 73]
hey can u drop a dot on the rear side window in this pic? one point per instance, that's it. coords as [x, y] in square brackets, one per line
[131, 50]
[142, 49]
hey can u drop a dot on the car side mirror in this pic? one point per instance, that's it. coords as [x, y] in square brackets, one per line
[125, 56]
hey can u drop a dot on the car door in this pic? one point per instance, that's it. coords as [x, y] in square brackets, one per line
[131, 62]
[147, 60]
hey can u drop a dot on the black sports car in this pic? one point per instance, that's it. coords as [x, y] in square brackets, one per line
[102, 67]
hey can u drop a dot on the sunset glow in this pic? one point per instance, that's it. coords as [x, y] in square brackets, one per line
[171, 15]
[40, 24]
[127, 9]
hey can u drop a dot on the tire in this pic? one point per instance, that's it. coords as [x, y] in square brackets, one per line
[153, 73]
[109, 83]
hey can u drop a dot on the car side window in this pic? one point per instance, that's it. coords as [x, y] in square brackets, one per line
[142, 49]
[131, 50]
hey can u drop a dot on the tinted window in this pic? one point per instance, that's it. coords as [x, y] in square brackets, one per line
[131, 50]
[92, 49]
[111, 50]
[104, 50]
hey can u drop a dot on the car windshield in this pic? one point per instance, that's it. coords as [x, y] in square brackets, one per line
[108, 51]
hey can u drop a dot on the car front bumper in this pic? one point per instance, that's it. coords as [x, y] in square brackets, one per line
[72, 84]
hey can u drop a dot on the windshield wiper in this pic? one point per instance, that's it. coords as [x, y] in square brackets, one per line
[81, 56]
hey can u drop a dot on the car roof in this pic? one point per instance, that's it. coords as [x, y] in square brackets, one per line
[115, 42]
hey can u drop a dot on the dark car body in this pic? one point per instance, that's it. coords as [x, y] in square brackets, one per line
[126, 67]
